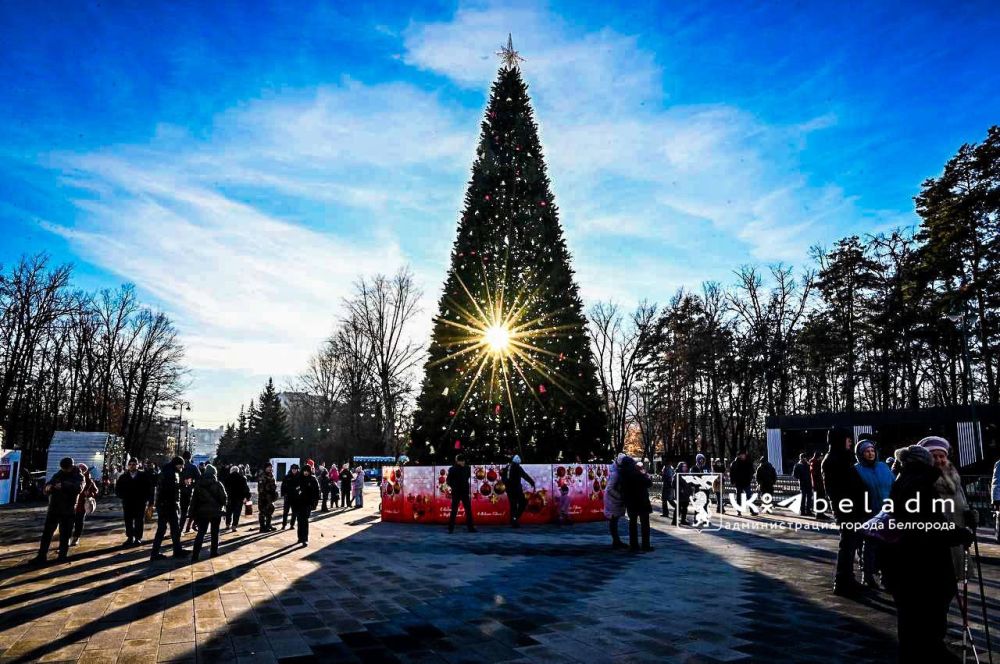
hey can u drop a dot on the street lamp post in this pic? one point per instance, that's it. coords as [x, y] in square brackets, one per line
[180, 407]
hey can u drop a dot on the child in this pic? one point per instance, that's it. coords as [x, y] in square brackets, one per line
[563, 502]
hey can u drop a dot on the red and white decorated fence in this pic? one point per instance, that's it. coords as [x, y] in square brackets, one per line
[420, 494]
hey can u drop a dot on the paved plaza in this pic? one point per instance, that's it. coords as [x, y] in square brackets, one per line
[373, 592]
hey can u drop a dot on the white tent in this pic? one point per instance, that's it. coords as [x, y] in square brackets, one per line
[89, 447]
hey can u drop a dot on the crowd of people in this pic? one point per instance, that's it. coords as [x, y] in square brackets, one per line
[182, 496]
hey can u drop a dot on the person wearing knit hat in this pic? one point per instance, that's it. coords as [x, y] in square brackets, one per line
[512, 476]
[288, 485]
[168, 507]
[921, 575]
[208, 502]
[878, 479]
[238, 495]
[949, 488]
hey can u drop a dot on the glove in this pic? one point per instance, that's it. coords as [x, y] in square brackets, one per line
[971, 519]
[965, 537]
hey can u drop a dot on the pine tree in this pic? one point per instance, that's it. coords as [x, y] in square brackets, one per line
[268, 423]
[226, 452]
[509, 366]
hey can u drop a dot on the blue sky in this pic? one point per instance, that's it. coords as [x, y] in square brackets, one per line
[242, 163]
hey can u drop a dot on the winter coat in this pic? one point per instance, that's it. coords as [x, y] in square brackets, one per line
[168, 489]
[324, 478]
[681, 489]
[133, 491]
[740, 472]
[345, 482]
[289, 483]
[878, 479]
[816, 473]
[949, 487]
[801, 472]
[920, 562]
[304, 494]
[62, 501]
[458, 480]
[766, 476]
[90, 490]
[635, 488]
[190, 472]
[512, 476]
[334, 475]
[359, 481]
[267, 492]
[208, 500]
[614, 503]
[237, 488]
[995, 487]
[843, 483]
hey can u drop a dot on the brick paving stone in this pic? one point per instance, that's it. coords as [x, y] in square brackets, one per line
[370, 592]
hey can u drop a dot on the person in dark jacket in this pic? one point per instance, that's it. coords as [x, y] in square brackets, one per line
[919, 568]
[346, 480]
[847, 494]
[132, 488]
[189, 477]
[238, 492]
[766, 476]
[682, 490]
[304, 497]
[168, 508]
[635, 490]
[323, 477]
[63, 491]
[267, 494]
[458, 480]
[208, 502]
[512, 476]
[802, 473]
[288, 485]
[741, 475]
[816, 475]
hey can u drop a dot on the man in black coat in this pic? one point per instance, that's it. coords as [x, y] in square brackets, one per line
[635, 485]
[63, 491]
[459, 477]
[802, 473]
[741, 475]
[238, 491]
[288, 485]
[168, 509]
[189, 477]
[512, 476]
[133, 489]
[304, 496]
[846, 492]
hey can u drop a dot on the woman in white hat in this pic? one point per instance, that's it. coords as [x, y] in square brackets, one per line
[949, 488]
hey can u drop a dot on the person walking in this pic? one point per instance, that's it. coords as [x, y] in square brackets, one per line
[358, 485]
[168, 507]
[847, 493]
[288, 485]
[323, 477]
[635, 490]
[666, 495]
[189, 477]
[766, 476]
[238, 492]
[741, 475]
[803, 474]
[304, 498]
[458, 480]
[920, 572]
[614, 502]
[513, 475]
[208, 502]
[132, 488]
[63, 490]
[267, 494]
[877, 478]
[346, 478]
[334, 485]
[89, 493]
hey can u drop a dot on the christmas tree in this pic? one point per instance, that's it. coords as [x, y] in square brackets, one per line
[509, 367]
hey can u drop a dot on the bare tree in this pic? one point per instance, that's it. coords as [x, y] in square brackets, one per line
[381, 309]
